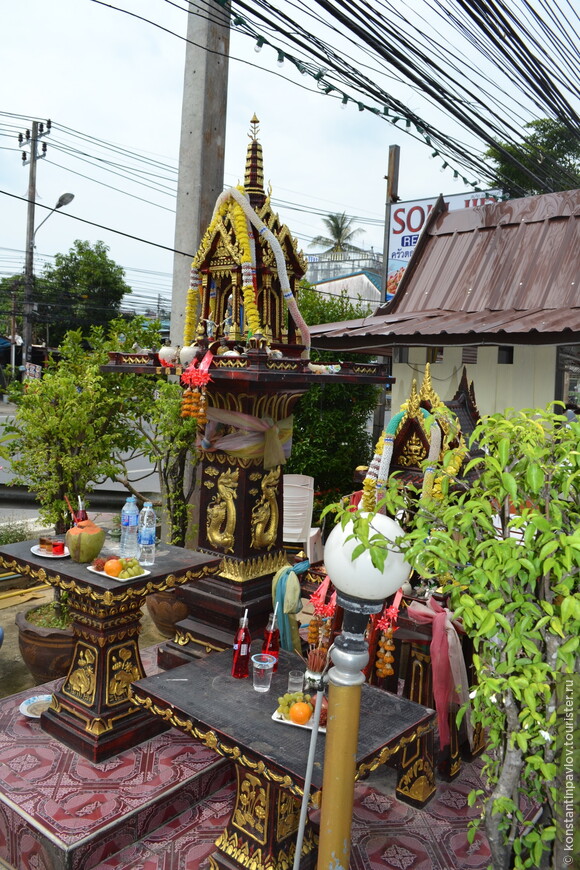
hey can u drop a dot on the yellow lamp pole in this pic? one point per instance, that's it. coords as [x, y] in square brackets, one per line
[361, 590]
[344, 694]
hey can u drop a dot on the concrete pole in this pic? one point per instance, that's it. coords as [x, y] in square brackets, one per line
[29, 253]
[202, 148]
[392, 196]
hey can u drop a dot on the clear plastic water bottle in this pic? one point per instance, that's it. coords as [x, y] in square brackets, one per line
[129, 523]
[146, 534]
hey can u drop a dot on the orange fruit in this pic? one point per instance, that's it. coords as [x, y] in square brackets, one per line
[300, 712]
[113, 567]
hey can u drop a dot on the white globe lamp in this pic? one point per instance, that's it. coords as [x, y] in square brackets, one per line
[360, 586]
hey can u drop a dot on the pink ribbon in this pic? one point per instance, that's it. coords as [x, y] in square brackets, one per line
[255, 436]
[450, 682]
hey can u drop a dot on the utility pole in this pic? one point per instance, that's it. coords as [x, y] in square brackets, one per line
[31, 139]
[392, 196]
[13, 335]
[202, 146]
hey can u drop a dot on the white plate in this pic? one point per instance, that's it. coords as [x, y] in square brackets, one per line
[38, 552]
[277, 717]
[36, 705]
[144, 573]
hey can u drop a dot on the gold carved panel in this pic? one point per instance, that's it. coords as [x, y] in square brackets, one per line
[251, 810]
[81, 681]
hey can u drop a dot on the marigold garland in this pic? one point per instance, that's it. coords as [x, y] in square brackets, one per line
[369, 500]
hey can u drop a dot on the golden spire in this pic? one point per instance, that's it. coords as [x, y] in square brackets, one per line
[254, 123]
[413, 408]
[427, 393]
[254, 177]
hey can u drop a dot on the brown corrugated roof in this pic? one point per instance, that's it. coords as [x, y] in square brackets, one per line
[499, 273]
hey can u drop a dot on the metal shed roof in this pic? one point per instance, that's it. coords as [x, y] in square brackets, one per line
[505, 272]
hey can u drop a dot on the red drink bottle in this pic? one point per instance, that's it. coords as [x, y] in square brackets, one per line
[81, 513]
[271, 643]
[241, 659]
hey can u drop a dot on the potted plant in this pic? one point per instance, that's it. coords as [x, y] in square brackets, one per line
[507, 550]
[45, 639]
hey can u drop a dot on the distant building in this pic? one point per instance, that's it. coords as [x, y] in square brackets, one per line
[359, 286]
[323, 267]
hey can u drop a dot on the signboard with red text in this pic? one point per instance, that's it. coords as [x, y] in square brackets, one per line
[407, 221]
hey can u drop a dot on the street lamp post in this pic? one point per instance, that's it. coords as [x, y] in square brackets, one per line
[361, 590]
[63, 199]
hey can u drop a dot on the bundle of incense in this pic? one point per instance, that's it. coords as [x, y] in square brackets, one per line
[317, 660]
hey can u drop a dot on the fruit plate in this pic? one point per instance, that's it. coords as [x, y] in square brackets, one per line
[38, 552]
[277, 717]
[36, 705]
[143, 573]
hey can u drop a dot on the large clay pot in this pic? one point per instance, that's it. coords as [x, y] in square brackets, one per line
[166, 609]
[47, 652]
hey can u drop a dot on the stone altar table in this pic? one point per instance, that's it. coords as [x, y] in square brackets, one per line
[91, 712]
[226, 714]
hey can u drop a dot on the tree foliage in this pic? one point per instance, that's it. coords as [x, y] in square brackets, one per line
[549, 145]
[81, 289]
[341, 234]
[330, 435]
[77, 426]
[507, 549]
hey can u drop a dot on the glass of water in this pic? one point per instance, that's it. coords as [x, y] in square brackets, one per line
[262, 670]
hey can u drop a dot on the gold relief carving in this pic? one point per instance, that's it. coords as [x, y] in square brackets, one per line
[122, 665]
[108, 598]
[251, 810]
[230, 362]
[213, 472]
[255, 475]
[221, 512]
[249, 569]
[279, 365]
[413, 453]
[418, 783]
[253, 859]
[135, 359]
[81, 681]
[287, 816]
[253, 491]
[210, 739]
[389, 751]
[184, 637]
[209, 484]
[265, 513]
[235, 461]
[420, 662]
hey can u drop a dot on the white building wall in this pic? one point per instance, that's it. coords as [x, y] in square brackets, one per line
[527, 383]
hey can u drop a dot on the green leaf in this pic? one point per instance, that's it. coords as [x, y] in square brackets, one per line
[510, 485]
[503, 451]
[534, 477]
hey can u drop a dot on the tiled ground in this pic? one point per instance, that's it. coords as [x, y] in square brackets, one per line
[161, 806]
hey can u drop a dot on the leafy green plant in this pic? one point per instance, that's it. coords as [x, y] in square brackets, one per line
[55, 614]
[507, 549]
[14, 532]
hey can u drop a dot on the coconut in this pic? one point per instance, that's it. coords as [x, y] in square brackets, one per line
[85, 541]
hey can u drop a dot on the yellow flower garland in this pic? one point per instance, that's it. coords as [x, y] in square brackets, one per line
[240, 225]
[368, 499]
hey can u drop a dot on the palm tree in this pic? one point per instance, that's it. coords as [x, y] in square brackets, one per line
[340, 234]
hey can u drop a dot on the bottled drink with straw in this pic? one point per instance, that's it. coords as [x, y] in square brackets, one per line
[81, 513]
[271, 643]
[241, 657]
